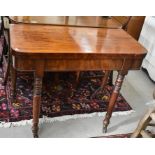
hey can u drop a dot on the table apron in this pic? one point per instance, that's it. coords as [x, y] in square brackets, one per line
[77, 65]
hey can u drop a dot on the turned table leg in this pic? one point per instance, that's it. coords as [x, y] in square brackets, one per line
[103, 83]
[39, 72]
[113, 98]
[13, 83]
[7, 72]
[105, 79]
[111, 78]
[36, 105]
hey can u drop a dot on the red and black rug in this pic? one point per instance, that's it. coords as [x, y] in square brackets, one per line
[59, 98]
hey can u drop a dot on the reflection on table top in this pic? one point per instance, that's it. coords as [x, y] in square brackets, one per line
[45, 39]
[84, 21]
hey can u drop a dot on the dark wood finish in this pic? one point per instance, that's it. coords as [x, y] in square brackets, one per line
[83, 21]
[39, 72]
[41, 48]
[1, 27]
[111, 78]
[13, 84]
[113, 98]
[134, 25]
[103, 84]
[123, 20]
[42, 40]
[79, 21]
[105, 78]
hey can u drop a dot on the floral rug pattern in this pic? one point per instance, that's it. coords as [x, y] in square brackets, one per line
[60, 97]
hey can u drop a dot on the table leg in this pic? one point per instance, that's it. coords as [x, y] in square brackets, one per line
[7, 72]
[77, 76]
[36, 104]
[105, 79]
[13, 83]
[113, 98]
[103, 83]
[111, 78]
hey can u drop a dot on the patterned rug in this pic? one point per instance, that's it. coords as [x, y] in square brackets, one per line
[60, 97]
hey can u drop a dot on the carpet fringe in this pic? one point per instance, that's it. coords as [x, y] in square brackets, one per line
[46, 119]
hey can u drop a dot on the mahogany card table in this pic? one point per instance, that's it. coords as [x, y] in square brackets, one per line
[42, 47]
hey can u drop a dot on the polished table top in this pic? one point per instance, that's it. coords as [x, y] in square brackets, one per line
[84, 21]
[45, 39]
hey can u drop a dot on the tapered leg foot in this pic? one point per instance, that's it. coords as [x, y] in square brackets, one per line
[35, 136]
[106, 123]
[35, 131]
[104, 129]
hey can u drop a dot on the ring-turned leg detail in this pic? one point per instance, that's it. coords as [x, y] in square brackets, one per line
[36, 105]
[113, 98]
